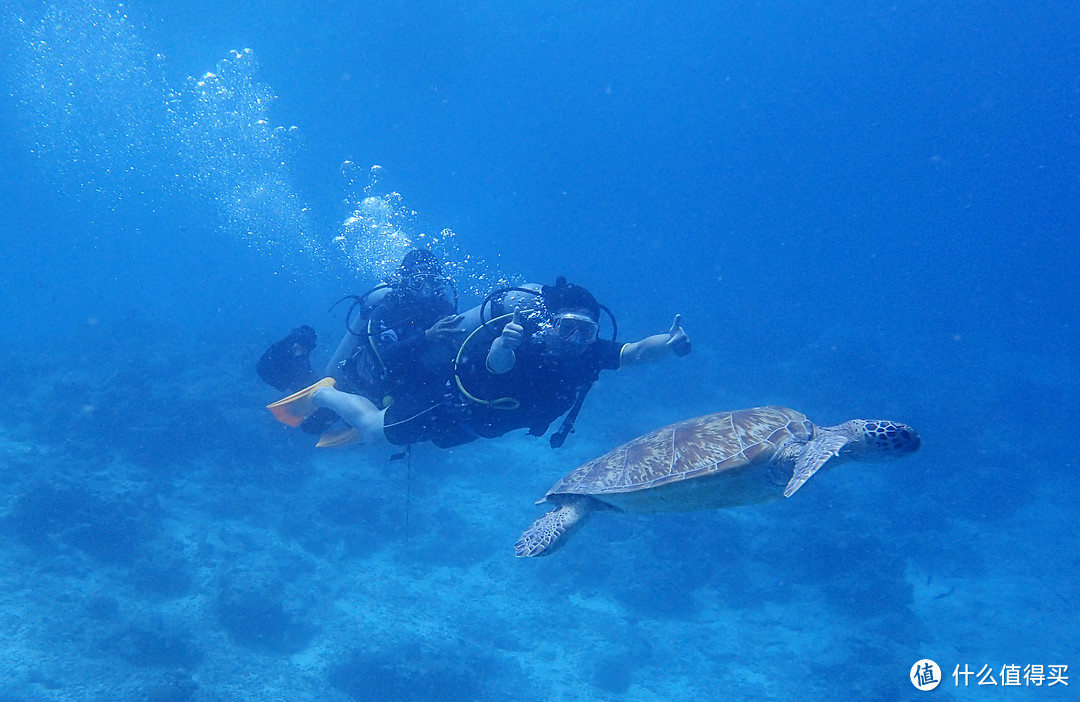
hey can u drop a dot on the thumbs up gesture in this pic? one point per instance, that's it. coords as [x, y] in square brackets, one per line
[678, 341]
[513, 332]
[500, 357]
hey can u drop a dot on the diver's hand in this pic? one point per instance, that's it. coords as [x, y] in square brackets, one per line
[678, 341]
[448, 329]
[501, 357]
[513, 332]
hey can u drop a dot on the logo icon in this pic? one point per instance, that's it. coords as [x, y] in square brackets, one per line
[925, 674]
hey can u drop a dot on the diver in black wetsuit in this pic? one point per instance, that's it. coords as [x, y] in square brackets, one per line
[400, 345]
[546, 359]
[404, 340]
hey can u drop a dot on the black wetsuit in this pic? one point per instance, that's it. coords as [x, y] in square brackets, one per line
[541, 387]
[395, 360]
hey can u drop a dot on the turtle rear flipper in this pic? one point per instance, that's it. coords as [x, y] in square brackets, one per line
[548, 533]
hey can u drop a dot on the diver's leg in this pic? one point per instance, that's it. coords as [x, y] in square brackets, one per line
[358, 412]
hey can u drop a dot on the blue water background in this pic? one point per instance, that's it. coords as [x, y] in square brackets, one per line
[860, 210]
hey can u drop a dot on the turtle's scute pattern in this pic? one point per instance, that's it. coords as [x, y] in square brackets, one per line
[689, 449]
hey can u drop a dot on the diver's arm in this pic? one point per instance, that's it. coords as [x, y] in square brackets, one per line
[350, 342]
[653, 348]
[447, 330]
[403, 357]
[345, 350]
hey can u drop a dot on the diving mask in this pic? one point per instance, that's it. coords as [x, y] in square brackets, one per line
[576, 328]
[422, 282]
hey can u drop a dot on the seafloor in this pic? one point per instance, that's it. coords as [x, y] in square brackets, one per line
[162, 538]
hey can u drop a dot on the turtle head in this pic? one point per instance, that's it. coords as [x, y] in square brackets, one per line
[879, 439]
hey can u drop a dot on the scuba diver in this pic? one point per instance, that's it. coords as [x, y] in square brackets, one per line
[400, 340]
[408, 336]
[546, 359]
[522, 369]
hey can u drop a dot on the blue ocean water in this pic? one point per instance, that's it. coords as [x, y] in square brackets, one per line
[859, 210]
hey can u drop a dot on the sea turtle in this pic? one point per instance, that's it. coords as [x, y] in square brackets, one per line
[724, 459]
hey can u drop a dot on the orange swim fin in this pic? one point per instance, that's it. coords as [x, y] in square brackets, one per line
[338, 437]
[297, 407]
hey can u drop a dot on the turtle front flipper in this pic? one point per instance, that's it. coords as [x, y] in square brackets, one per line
[813, 456]
[548, 533]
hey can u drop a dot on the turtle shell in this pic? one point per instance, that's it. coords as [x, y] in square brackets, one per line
[714, 445]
